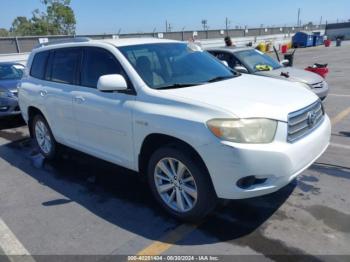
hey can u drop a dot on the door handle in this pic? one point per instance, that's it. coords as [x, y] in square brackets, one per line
[43, 93]
[79, 99]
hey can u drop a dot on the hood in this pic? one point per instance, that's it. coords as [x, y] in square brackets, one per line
[250, 96]
[295, 75]
[9, 84]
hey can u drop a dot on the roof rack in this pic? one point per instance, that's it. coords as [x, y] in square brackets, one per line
[64, 41]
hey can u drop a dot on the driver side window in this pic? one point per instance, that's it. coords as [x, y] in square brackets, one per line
[96, 63]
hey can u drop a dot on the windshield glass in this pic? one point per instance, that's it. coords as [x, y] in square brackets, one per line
[175, 65]
[257, 61]
[10, 72]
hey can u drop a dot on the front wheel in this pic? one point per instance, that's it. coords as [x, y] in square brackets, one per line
[43, 137]
[180, 184]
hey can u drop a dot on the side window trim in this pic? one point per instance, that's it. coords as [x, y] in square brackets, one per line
[48, 71]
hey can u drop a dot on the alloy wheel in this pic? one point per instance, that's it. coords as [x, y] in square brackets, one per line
[175, 184]
[43, 137]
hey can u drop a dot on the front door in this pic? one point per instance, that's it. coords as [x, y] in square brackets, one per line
[104, 120]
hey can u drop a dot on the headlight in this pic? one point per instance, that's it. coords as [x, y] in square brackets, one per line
[6, 94]
[250, 131]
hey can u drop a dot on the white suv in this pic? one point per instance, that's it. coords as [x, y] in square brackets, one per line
[198, 130]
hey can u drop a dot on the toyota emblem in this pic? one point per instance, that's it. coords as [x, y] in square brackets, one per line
[311, 119]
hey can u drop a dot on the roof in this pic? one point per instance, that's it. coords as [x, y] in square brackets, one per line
[230, 50]
[116, 42]
[134, 41]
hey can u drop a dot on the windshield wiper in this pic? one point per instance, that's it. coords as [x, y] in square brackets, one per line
[178, 85]
[220, 78]
[182, 85]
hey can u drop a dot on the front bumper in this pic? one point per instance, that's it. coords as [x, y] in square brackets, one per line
[279, 162]
[9, 107]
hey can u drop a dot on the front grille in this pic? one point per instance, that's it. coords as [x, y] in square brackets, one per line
[318, 85]
[304, 121]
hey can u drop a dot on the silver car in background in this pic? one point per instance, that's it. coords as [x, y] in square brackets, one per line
[10, 77]
[252, 61]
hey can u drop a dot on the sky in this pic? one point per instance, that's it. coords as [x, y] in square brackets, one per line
[110, 16]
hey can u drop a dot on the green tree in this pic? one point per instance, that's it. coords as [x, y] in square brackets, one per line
[40, 25]
[3, 32]
[21, 26]
[59, 19]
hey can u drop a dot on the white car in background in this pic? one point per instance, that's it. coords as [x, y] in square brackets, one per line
[175, 114]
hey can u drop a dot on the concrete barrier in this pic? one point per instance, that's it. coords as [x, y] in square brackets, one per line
[276, 39]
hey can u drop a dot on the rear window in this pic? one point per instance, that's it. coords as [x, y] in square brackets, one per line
[39, 65]
[65, 65]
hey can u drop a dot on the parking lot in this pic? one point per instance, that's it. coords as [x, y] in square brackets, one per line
[79, 205]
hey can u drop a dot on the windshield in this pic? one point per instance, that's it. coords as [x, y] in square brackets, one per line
[10, 72]
[175, 65]
[257, 61]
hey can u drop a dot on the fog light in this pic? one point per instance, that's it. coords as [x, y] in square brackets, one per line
[249, 181]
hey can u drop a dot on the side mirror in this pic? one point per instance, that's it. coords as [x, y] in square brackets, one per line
[110, 83]
[284, 62]
[224, 62]
[241, 69]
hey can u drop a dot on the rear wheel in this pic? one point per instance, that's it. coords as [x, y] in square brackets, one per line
[43, 137]
[180, 184]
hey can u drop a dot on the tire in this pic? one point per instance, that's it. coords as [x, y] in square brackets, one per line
[43, 137]
[193, 186]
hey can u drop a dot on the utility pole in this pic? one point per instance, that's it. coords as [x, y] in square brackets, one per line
[299, 11]
[168, 26]
[205, 27]
[227, 22]
[154, 31]
[205, 24]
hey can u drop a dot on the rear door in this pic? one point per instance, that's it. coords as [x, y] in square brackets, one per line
[103, 119]
[62, 72]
